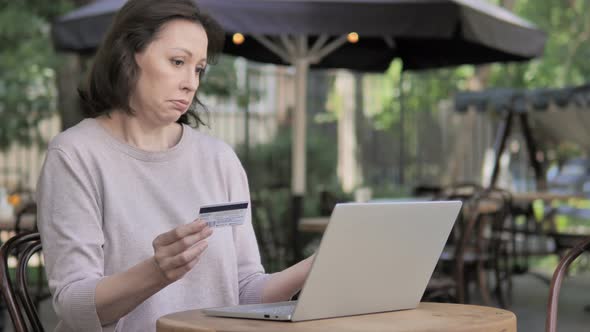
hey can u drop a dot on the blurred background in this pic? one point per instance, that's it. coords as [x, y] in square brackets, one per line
[369, 136]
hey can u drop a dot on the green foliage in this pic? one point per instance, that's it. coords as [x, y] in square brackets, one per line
[269, 165]
[220, 79]
[565, 61]
[27, 61]
[269, 173]
[421, 91]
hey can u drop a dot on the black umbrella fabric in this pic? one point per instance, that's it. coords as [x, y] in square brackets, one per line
[423, 33]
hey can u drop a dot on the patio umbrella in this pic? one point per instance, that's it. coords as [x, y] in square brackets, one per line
[361, 35]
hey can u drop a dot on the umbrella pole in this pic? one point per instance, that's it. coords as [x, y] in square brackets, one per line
[296, 52]
[298, 149]
[401, 127]
[247, 118]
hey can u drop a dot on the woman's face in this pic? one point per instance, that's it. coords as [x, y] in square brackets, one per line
[169, 69]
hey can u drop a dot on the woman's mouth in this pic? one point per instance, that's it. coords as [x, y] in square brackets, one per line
[180, 104]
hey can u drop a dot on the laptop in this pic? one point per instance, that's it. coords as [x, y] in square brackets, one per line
[373, 257]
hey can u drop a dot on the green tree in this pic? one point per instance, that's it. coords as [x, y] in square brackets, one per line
[565, 61]
[27, 62]
[220, 78]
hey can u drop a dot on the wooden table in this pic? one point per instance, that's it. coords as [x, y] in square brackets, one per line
[319, 224]
[487, 206]
[528, 197]
[427, 317]
[313, 225]
[27, 222]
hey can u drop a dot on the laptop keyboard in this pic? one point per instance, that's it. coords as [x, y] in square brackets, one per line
[270, 309]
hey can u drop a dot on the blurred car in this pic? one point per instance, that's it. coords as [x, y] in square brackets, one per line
[572, 178]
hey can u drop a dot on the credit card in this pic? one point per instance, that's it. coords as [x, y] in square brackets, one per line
[226, 214]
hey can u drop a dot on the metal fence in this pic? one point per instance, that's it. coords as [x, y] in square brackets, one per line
[441, 147]
[20, 165]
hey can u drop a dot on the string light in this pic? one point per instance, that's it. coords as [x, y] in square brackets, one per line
[238, 38]
[353, 37]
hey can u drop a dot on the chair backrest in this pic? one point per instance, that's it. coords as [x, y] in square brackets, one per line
[551, 322]
[20, 307]
[31, 248]
[21, 223]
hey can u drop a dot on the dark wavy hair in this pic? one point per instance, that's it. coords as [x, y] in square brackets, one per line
[114, 74]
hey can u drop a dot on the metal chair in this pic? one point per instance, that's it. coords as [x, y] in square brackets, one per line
[21, 307]
[480, 246]
[551, 321]
[444, 284]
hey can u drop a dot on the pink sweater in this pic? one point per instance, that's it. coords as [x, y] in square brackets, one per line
[101, 204]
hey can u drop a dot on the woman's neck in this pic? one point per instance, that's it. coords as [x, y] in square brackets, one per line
[141, 134]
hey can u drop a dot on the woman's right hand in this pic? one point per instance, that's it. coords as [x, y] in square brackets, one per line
[177, 251]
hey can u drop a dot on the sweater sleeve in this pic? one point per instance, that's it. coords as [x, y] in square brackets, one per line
[70, 223]
[251, 276]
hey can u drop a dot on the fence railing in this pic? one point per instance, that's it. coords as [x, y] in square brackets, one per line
[20, 165]
[231, 127]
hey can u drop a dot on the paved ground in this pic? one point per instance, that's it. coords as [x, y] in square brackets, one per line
[530, 300]
[530, 304]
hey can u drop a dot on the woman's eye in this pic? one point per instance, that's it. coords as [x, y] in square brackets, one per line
[199, 70]
[177, 63]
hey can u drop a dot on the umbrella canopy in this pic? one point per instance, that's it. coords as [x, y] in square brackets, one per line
[316, 33]
[423, 33]
[546, 116]
[556, 115]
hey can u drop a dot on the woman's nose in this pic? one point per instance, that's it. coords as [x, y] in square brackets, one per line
[190, 82]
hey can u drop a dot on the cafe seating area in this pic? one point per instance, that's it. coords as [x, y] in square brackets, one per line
[488, 258]
[496, 239]
[24, 286]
